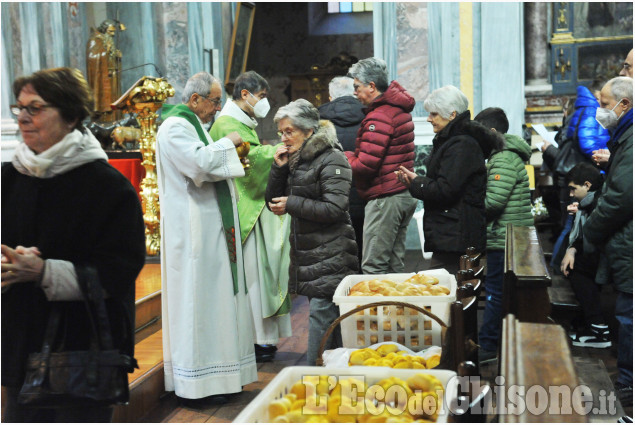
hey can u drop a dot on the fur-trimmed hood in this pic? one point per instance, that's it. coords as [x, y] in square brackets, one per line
[324, 138]
[487, 139]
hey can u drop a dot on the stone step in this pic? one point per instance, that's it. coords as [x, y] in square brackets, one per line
[146, 383]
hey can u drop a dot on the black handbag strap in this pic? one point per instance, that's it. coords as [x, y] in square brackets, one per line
[93, 297]
[88, 280]
[100, 338]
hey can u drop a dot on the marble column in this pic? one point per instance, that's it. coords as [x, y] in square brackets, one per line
[536, 22]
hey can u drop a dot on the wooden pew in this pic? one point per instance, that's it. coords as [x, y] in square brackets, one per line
[536, 354]
[526, 277]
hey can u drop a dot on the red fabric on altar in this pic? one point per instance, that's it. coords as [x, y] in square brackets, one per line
[132, 169]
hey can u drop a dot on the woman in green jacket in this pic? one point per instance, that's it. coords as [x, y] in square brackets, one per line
[507, 200]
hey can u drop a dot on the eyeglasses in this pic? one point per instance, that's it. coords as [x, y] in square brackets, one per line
[32, 110]
[216, 101]
[288, 132]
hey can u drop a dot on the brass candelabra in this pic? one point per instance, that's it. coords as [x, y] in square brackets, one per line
[144, 99]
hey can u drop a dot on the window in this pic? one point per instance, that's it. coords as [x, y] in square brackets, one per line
[348, 7]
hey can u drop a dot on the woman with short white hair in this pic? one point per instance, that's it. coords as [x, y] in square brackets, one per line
[453, 188]
[310, 180]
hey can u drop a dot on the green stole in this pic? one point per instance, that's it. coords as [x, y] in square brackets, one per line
[251, 191]
[251, 188]
[222, 188]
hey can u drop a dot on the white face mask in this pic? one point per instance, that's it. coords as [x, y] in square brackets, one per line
[261, 108]
[607, 118]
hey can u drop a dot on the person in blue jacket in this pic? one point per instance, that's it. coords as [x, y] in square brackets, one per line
[591, 135]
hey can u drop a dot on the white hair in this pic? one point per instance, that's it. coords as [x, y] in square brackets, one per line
[199, 83]
[302, 114]
[622, 88]
[446, 100]
[340, 87]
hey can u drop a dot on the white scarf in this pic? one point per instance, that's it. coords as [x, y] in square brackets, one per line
[235, 112]
[74, 150]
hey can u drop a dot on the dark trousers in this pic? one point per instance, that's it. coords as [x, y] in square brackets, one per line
[358, 226]
[624, 315]
[489, 333]
[587, 293]
[446, 260]
[558, 248]
[15, 412]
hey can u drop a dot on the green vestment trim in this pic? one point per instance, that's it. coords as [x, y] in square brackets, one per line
[222, 188]
[251, 188]
[273, 236]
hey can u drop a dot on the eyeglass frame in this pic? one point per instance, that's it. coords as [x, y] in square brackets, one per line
[287, 133]
[32, 110]
[216, 103]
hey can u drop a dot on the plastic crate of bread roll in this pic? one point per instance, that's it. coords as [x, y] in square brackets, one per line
[393, 323]
[287, 399]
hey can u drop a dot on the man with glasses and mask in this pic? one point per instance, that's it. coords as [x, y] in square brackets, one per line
[207, 329]
[610, 226]
[264, 235]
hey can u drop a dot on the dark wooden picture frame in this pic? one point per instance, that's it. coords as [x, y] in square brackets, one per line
[239, 48]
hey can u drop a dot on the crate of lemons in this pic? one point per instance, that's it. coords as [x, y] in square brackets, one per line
[390, 355]
[325, 399]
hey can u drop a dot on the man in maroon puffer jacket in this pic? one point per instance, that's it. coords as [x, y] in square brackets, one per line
[385, 141]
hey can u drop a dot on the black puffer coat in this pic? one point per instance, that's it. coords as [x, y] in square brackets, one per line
[346, 115]
[453, 189]
[323, 248]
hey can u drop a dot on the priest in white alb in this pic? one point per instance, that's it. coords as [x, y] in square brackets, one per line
[208, 345]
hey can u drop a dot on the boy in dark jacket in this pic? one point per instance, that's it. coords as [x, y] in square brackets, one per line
[580, 262]
[507, 200]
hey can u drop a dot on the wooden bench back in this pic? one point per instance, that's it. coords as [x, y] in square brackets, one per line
[526, 276]
[537, 354]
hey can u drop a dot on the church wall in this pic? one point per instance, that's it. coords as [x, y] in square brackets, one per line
[281, 45]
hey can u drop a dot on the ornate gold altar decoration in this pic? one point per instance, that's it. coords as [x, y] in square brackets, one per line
[144, 99]
[561, 65]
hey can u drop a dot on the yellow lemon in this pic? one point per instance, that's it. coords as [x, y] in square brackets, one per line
[295, 416]
[386, 349]
[433, 361]
[384, 362]
[391, 356]
[350, 387]
[278, 408]
[357, 358]
[370, 362]
[291, 397]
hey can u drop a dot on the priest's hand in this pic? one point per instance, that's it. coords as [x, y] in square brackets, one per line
[235, 138]
[278, 206]
[281, 157]
[20, 265]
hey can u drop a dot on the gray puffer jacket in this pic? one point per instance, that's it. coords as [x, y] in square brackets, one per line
[323, 247]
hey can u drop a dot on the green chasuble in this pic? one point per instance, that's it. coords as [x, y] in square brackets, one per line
[251, 188]
[251, 206]
[222, 187]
